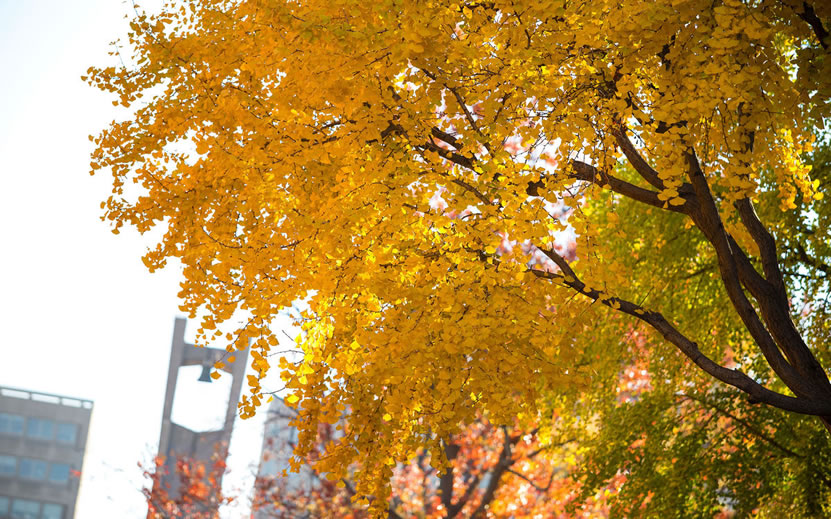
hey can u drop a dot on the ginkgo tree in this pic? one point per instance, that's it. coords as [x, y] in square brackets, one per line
[294, 151]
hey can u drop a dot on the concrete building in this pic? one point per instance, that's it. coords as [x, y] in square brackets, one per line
[42, 443]
[279, 440]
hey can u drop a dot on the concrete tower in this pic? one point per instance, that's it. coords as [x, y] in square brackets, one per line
[177, 441]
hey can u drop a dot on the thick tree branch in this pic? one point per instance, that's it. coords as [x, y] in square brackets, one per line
[707, 218]
[764, 240]
[460, 504]
[456, 158]
[502, 465]
[582, 171]
[446, 137]
[748, 276]
[451, 450]
[809, 15]
[638, 162]
[732, 377]
[775, 309]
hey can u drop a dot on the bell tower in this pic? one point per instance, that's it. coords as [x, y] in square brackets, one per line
[177, 441]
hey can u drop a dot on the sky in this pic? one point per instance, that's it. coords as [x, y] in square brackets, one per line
[79, 314]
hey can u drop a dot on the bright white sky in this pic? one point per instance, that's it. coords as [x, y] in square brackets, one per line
[79, 313]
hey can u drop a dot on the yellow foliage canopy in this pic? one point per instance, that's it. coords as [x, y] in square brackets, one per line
[399, 164]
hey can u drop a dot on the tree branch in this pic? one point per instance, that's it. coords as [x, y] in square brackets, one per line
[451, 450]
[807, 259]
[456, 158]
[588, 173]
[505, 461]
[528, 480]
[446, 137]
[460, 504]
[583, 171]
[638, 162]
[809, 15]
[764, 240]
[689, 348]
[747, 425]
[707, 218]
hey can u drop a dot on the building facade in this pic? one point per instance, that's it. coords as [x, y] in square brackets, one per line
[42, 442]
[279, 440]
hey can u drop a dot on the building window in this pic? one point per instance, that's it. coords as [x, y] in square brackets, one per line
[25, 509]
[59, 473]
[11, 424]
[32, 469]
[40, 428]
[8, 466]
[52, 511]
[4, 506]
[67, 433]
